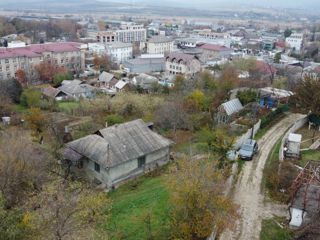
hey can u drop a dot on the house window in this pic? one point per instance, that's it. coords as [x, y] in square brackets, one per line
[7, 60]
[96, 167]
[141, 161]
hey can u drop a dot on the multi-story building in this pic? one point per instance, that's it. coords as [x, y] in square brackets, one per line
[211, 51]
[295, 41]
[67, 55]
[131, 32]
[106, 37]
[180, 63]
[159, 45]
[117, 51]
[208, 34]
[128, 33]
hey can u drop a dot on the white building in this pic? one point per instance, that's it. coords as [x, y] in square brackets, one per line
[295, 41]
[131, 32]
[159, 45]
[118, 51]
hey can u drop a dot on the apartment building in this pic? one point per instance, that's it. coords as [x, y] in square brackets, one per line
[295, 41]
[127, 33]
[180, 63]
[106, 37]
[131, 32]
[159, 45]
[67, 55]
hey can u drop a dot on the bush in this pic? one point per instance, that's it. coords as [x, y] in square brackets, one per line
[247, 96]
[60, 77]
[48, 104]
[265, 120]
[30, 97]
[114, 119]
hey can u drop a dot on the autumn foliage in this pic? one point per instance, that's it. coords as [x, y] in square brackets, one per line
[48, 70]
[199, 205]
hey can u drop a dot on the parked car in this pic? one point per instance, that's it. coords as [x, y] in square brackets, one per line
[248, 149]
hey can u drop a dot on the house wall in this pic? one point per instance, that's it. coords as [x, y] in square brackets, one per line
[179, 67]
[71, 61]
[128, 169]
[159, 47]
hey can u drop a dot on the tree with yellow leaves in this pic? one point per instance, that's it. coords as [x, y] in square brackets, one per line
[67, 210]
[199, 205]
[36, 122]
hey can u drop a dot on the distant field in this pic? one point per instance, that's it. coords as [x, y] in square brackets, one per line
[67, 105]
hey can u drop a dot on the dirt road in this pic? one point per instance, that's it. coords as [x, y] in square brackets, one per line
[247, 192]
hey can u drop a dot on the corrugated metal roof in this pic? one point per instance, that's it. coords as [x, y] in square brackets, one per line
[232, 106]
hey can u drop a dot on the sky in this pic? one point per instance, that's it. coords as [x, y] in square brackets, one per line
[300, 4]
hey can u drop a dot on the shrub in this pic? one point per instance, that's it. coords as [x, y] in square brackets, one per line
[114, 119]
[265, 120]
[60, 77]
[48, 104]
[31, 97]
[247, 96]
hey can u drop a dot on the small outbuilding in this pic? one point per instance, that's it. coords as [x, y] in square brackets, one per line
[119, 152]
[293, 145]
[227, 109]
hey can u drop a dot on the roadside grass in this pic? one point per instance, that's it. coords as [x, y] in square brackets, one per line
[134, 200]
[270, 230]
[270, 167]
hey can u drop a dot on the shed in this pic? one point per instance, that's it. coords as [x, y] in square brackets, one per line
[293, 145]
[6, 120]
[119, 152]
[231, 106]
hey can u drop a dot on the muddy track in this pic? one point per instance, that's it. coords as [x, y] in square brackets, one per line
[247, 192]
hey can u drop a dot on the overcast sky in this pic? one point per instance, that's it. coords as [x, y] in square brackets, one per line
[305, 4]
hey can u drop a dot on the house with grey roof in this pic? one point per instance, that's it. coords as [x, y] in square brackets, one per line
[119, 152]
[51, 92]
[144, 80]
[107, 80]
[75, 90]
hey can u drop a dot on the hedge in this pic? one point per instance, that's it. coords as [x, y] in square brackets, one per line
[265, 120]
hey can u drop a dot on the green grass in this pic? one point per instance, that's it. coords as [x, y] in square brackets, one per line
[271, 165]
[19, 108]
[67, 105]
[270, 230]
[311, 155]
[131, 201]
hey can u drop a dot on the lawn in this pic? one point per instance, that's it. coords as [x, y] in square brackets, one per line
[19, 108]
[311, 155]
[67, 105]
[270, 230]
[132, 201]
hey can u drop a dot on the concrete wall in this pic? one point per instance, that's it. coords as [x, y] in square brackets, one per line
[247, 135]
[299, 124]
